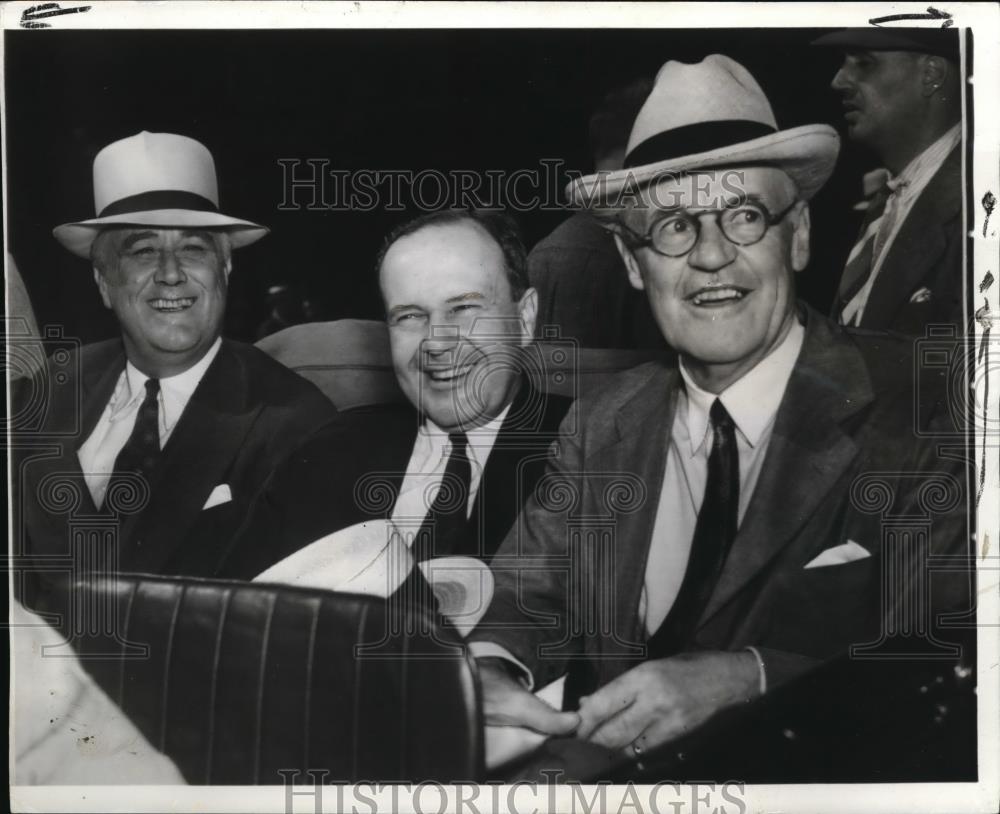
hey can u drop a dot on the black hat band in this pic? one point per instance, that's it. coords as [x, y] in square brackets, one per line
[158, 199]
[695, 138]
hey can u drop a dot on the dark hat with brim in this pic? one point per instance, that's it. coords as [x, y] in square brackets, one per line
[942, 42]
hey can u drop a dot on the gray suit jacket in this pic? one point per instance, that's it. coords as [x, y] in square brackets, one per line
[845, 463]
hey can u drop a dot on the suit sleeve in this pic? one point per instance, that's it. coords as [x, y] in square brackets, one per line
[530, 615]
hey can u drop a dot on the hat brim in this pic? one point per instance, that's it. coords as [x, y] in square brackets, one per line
[943, 42]
[78, 237]
[807, 154]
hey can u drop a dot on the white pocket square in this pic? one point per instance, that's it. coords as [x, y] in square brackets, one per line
[220, 494]
[838, 555]
[921, 295]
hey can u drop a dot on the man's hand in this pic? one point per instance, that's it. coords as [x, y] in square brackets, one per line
[664, 699]
[506, 702]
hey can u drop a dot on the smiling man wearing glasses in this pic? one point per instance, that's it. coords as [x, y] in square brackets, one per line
[738, 558]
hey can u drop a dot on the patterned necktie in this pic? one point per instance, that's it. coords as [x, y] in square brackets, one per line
[713, 537]
[879, 223]
[447, 521]
[859, 262]
[142, 449]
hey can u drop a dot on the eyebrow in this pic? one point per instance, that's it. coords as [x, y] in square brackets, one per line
[134, 238]
[468, 295]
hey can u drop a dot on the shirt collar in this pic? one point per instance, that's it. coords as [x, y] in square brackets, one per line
[175, 391]
[918, 172]
[481, 439]
[752, 401]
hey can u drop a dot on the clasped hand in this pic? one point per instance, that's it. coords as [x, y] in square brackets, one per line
[653, 703]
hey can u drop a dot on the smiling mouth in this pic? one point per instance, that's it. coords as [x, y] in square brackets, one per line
[717, 296]
[447, 374]
[169, 305]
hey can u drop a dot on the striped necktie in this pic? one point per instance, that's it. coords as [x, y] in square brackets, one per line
[862, 256]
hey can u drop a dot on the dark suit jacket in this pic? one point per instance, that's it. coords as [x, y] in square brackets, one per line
[926, 253]
[247, 413]
[570, 573]
[352, 469]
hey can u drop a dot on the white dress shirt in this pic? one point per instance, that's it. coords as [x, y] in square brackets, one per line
[98, 453]
[752, 402]
[428, 461]
[906, 188]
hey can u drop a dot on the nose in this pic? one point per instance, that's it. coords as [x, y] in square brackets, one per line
[169, 271]
[713, 251]
[440, 341]
[841, 81]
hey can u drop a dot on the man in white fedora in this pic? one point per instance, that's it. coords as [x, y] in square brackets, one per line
[165, 434]
[732, 546]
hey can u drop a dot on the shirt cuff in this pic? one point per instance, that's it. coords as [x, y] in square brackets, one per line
[760, 668]
[489, 650]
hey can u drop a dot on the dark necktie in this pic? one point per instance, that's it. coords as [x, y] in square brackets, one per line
[446, 521]
[142, 449]
[713, 536]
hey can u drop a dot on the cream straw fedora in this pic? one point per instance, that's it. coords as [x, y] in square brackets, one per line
[155, 179]
[711, 114]
[372, 558]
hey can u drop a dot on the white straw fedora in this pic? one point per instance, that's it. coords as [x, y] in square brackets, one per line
[710, 114]
[155, 179]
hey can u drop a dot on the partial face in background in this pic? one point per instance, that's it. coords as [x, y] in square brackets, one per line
[722, 306]
[454, 328]
[882, 93]
[167, 287]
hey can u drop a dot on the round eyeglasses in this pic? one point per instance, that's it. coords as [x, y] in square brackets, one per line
[677, 233]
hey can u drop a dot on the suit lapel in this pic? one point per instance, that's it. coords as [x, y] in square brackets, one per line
[73, 413]
[398, 456]
[643, 426]
[97, 384]
[808, 453]
[918, 244]
[196, 458]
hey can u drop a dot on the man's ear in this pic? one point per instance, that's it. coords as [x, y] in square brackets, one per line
[102, 286]
[934, 75]
[631, 266]
[800, 240]
[527, 308]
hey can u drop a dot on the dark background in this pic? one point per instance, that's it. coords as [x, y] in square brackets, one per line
[375, 99]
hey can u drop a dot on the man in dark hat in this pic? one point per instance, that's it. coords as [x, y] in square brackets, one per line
[156, 440]
[902, 96]
[705, 534]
